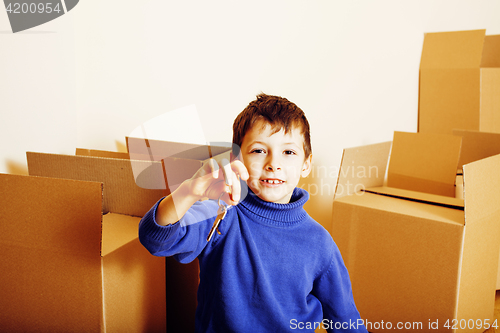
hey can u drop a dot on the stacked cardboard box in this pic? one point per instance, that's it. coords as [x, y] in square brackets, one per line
[422, 244]
[460, 92]
[460, 82]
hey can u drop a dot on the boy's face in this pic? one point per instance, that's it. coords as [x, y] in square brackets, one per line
[275, 162]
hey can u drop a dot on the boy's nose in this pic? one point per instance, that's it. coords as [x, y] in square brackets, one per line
[273, 165]
[270, 167]
[273, 162]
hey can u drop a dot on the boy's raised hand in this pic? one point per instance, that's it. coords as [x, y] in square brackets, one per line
[207, 182]
[214, 180]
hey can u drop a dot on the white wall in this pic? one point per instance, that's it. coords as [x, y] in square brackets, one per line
[90, 77]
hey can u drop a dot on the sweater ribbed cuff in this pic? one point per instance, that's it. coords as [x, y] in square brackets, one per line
[153, 230]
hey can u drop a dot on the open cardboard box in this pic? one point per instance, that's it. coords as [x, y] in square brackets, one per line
[149, 170]
[476, 146]
[418, 257]
[166, 164]
[73, 256]
[460, 82]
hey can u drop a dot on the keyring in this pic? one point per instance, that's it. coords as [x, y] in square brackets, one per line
[221, 205]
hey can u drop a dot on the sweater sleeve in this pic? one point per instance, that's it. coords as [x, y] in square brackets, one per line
[185, 239]
[333, 289]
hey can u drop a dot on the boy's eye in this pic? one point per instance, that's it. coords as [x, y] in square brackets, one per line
[289, 152]
[257, 151]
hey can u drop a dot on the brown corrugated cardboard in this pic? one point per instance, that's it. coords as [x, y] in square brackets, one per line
[371, 165]
[418, 262]
[181, 279]
[459, 82]
[50, 233]
[130, 282]
[101, 153]
[424, 162]
[133, 279]
[477, 145]
[422, 167]
[121, 194]
[480, 247]
[173, 162]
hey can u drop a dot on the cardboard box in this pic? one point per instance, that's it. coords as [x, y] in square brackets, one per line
[417, 257]
[73, 256]
[50, 278]
[476, 146]
[165, 164]
[460, 82]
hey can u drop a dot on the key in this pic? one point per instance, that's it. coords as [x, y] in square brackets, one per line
[221, 213]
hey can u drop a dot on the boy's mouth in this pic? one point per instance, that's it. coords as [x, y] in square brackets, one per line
[272, 182]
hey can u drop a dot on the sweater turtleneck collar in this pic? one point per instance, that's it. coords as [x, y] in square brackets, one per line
[277, 212]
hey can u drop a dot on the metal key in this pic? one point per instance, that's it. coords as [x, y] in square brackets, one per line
[221, 213]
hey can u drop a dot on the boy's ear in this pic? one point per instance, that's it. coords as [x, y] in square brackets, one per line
[307, 166]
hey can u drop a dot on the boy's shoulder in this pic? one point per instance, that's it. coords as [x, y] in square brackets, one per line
[322, 236]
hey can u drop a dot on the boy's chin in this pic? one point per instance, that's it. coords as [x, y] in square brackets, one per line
[277, 195]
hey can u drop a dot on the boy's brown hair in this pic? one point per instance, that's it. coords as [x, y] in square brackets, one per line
[278, 112]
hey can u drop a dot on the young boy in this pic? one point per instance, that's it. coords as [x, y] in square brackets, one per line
[272, 268]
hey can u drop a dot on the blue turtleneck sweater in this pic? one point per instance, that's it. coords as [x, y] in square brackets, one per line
[272, 268]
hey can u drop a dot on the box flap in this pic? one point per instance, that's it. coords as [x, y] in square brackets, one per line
[121, 194]
[389, 204]
[456, 49]
[477, 145]
[50, 231]
[177, 170]
[134, 290]
[491, 51]
[158, 150]
[362, 167]
[418, 196]
[180, 161]
[449, 99]
[150, 173]
[118, 230]
[482, 239]
[490, 100]
[35, 211]
[101, 153]
[424, 162]
[482, 188]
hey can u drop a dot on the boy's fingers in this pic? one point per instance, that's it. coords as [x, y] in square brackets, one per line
[214, 168]
[239, 172]
[240, 169]
[236, 190]
[227, 171]
[229, 174]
